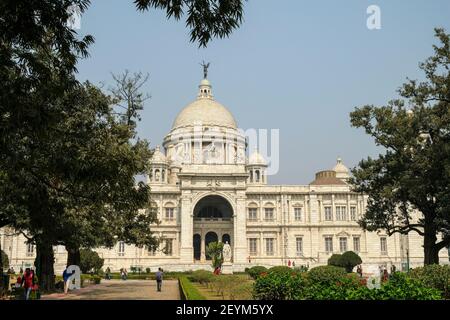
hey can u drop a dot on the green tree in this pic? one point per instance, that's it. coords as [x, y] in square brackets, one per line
[205, 18]
[335, 260]
[4, 261]
[214, 251]
[413, 175]
[349, 260]
[90, 260]
[51, 181]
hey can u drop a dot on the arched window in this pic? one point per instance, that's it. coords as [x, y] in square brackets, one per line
[157, 175]
[163, 176]
[251, 175]
[257, 175]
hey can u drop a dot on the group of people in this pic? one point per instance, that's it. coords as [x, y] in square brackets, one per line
[28, 281]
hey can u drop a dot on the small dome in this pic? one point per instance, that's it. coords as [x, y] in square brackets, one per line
[327, 177]
[341, 170]
[158, 156]
[256, 159]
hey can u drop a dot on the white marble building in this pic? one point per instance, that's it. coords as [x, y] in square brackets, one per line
[207, 189]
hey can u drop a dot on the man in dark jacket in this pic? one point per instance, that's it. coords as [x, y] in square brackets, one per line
[159, 278]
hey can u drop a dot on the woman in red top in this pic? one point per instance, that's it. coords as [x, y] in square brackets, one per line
[27, 282]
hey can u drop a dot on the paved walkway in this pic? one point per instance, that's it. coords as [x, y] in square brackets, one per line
[122, 290]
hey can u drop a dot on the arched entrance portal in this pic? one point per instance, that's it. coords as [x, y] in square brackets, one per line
[213, 221]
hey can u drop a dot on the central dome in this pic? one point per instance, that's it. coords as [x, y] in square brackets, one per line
[205, 111]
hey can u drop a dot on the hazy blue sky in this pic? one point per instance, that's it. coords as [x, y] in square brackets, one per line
[299, 66]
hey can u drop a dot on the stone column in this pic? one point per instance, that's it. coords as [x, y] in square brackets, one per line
[202, 247]
[187, 225]
[240, 236]
[261, 244]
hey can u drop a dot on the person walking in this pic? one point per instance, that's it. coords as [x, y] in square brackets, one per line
[66, 278]
[107, 274]
[159, 279]
[27, 283]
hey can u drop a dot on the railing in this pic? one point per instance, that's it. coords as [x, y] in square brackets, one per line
[212, 219]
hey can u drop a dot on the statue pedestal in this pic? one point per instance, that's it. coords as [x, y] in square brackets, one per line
[227, 268]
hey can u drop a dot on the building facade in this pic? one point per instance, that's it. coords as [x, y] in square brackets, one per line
[207, 189]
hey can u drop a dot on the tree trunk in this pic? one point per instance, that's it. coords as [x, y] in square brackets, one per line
[430, 249]
[73, 256]
[44, 265]
[1, 270]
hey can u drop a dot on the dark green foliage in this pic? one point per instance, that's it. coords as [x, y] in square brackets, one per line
[90, 260]
[279, 286]
[256, 271]
[349, 260]
[335, 260]
[435, 276]
[331, 284]
[413, 173]
[188, 291]
[214, 251]
[326, 275]
[281, 269]
[201, 276]
[205, 18]
[5, 261]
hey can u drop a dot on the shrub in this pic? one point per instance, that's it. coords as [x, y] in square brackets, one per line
[214, 251]
[255, 271]
[201, 276]
[335, 260]
[279, 286]
[90, 260]
[435, 276]
[349, 260]
[189, 292]
[281, 269]
[96, 279]
[402, 287]
[325, 275]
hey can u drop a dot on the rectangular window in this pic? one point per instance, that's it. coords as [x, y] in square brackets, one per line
[252, 214]
[328, 244]
[343, 244]
[269, 216]
[298, 214]
[353, 213]
[121, 248]
[170, 213]
[383, 245]
[168, 250]
[328, 214]
[253, 246]
[341, 213]
[30, 249]
[299, 246]
[269, 247]
[356, 244]
[151, 251]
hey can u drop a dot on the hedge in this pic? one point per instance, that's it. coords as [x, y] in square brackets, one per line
[188, 291]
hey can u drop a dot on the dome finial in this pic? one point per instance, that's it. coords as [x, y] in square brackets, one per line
[205, 69]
